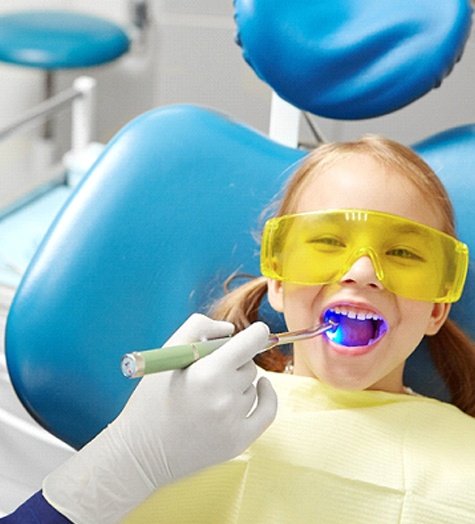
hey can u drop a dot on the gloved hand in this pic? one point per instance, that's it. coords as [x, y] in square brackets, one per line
[174, 424]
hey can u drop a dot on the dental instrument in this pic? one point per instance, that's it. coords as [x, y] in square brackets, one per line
[139, 363]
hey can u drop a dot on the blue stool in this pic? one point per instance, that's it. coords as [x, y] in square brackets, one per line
[54, 40]
[48, 41]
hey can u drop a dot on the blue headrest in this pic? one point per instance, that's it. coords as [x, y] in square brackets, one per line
[165, 215]
[351, 60]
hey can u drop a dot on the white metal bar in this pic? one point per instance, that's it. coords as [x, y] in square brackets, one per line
[81, 97]
[284, 122]
[38, 114]
[82, 125]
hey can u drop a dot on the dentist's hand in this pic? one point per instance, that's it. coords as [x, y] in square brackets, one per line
[203, 413]
[174, 424]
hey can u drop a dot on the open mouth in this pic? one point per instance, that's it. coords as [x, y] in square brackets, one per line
[355, 327]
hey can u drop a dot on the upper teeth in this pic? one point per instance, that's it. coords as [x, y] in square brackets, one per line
[351, 313]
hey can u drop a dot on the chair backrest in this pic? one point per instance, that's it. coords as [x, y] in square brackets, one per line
[162, 218]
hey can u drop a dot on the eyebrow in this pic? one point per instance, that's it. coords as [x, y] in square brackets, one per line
[406, 229]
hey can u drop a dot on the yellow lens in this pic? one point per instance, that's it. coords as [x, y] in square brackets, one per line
[410, 259]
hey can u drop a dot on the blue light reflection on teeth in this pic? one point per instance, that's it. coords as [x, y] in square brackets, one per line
[336, 335]
[341, 336]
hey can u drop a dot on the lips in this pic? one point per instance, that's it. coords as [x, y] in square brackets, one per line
[356, 327]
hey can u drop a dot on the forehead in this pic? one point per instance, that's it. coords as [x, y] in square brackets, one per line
[361, 182]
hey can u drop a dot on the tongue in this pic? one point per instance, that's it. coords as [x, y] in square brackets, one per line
[355, 332]
[352, 332]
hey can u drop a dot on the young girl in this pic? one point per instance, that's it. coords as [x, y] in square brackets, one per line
[357, 240]
[363, 237]
[370, 173]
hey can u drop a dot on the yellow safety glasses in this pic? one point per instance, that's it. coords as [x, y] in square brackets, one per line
[410, 259]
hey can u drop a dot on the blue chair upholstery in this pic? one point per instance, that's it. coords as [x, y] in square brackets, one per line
[51, 40]
[162, 218]
[352, 60]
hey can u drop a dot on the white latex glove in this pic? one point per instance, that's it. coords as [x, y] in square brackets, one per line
[174, 424]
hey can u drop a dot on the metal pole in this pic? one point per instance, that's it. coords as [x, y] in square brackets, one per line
[40, 112]
[83, 108]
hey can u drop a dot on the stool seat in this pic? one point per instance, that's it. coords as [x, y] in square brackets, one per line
[59, 39]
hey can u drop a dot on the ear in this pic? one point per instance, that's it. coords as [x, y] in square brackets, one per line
[275, 295]
[439, 315]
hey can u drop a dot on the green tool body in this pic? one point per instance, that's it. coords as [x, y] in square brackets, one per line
[139, 363]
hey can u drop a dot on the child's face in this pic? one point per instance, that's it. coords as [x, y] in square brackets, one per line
[359, 183]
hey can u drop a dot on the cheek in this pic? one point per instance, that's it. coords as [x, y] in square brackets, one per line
[301, 305]
[416, 317]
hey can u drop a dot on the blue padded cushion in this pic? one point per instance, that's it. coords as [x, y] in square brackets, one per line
[352, 60]
[59, 39]
[165, 215]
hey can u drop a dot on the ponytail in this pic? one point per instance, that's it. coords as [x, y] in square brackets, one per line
[241, 304]
[454, 356]
[241, 307]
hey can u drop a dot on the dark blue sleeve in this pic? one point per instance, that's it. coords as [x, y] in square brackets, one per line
[35, 510]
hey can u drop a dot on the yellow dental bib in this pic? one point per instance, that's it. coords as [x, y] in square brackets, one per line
[336, 457]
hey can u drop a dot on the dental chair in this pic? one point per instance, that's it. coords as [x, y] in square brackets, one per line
[168, 210]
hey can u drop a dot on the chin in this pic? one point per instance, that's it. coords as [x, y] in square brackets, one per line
[347, 385]
[347, 381]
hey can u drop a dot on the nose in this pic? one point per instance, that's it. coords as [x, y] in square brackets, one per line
[362, 272]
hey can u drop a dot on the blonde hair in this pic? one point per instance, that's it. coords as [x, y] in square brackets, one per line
[452, 350]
